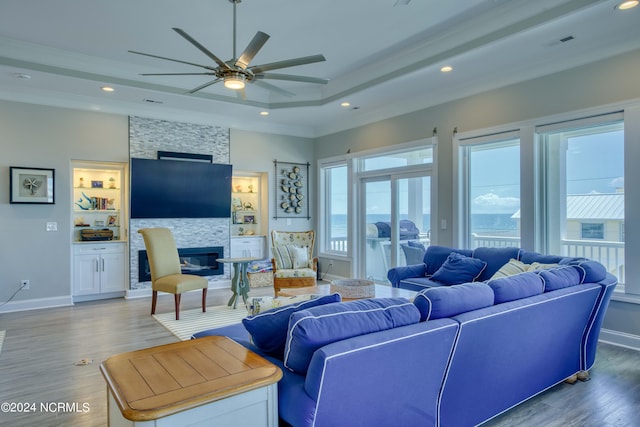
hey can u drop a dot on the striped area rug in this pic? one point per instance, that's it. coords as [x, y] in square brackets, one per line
[192, 321]
[2, 334]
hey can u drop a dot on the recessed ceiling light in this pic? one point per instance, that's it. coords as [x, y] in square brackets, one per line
[22, 76]
[264, 113]
[345, 104]
[107, 89]
[446, 69]
[627, 4]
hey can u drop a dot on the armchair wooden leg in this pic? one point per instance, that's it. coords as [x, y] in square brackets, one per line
[154, 299]
[204, 300]
[176, 298]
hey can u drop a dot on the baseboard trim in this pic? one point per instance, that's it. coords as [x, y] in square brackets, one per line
[36, 304]
[330, 277]
[621, 339]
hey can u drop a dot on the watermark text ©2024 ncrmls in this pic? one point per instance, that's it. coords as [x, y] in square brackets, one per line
[45, 407]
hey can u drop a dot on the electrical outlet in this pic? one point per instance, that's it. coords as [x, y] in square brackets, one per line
[24, 284]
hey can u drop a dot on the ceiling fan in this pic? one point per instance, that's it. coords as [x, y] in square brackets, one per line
[236, 72]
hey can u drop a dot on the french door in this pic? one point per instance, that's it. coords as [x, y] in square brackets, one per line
[395, 219]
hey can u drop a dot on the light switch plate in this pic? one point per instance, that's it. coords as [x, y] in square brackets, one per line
[52, 226]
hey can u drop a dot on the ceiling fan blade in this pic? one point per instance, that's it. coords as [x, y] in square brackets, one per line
[178, 74]
[287, 63]
[204, 86]
[290, 77]
[252, 49]
[202, 48]
[272, 88]
[174, 60]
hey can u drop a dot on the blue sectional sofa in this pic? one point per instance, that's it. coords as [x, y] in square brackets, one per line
[457, 355]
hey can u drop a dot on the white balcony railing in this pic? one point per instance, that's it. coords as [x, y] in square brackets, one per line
[609, 254]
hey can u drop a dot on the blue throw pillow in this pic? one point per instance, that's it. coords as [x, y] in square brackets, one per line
[316, 327]
[459, 269]
[448, 301]
[560, 277]
[515, 287]
[436, 255]
[268, 329]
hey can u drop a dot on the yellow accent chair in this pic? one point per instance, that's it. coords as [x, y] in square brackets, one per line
[293, 263]
[166, 275]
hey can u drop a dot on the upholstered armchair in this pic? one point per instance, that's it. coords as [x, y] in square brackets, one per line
[166, 274]
[293, 263]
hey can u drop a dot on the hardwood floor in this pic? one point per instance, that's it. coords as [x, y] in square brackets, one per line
[38, 365]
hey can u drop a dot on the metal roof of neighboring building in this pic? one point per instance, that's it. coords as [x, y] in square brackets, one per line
[593, 206]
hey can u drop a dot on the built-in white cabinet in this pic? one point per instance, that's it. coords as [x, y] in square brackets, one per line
[249, 216]
[99, 270]
[248, 246]
[99, 224]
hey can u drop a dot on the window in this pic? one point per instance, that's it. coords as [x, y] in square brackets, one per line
[335, 230]
[397, 159]
[374, 202]
[490, 185]
[584, 190]
[592, 231]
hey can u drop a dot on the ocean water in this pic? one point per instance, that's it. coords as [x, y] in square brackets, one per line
[482, 224]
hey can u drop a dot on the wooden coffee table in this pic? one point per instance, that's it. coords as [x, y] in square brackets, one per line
[211, 379]
[381, 291]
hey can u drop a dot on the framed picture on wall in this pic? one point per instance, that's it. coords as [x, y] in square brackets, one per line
[292, 186]
[31, 185]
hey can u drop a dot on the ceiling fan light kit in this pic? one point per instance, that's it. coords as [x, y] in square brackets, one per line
[234, 81]
[236, 72]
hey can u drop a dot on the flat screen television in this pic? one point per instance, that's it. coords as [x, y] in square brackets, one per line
[180, 189]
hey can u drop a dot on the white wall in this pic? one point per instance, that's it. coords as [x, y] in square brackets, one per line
[251, 151]
[35, 136]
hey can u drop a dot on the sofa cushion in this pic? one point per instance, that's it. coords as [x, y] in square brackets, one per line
[417, 284]
[448, 301]
[516, 287]
[318, 326]
[593, 270]
[269, 329]
[529, 257]
[459, 269]
[495, 258]
[560, 277]
[436, 255]
[287, 273]
[509, 269]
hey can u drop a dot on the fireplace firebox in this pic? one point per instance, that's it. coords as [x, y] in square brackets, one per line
[198, 261]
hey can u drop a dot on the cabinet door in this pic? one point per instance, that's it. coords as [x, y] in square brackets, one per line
[247, 247]
[112, 272]
[86, 274]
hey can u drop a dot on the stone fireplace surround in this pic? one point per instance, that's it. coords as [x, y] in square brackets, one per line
[146, 138]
